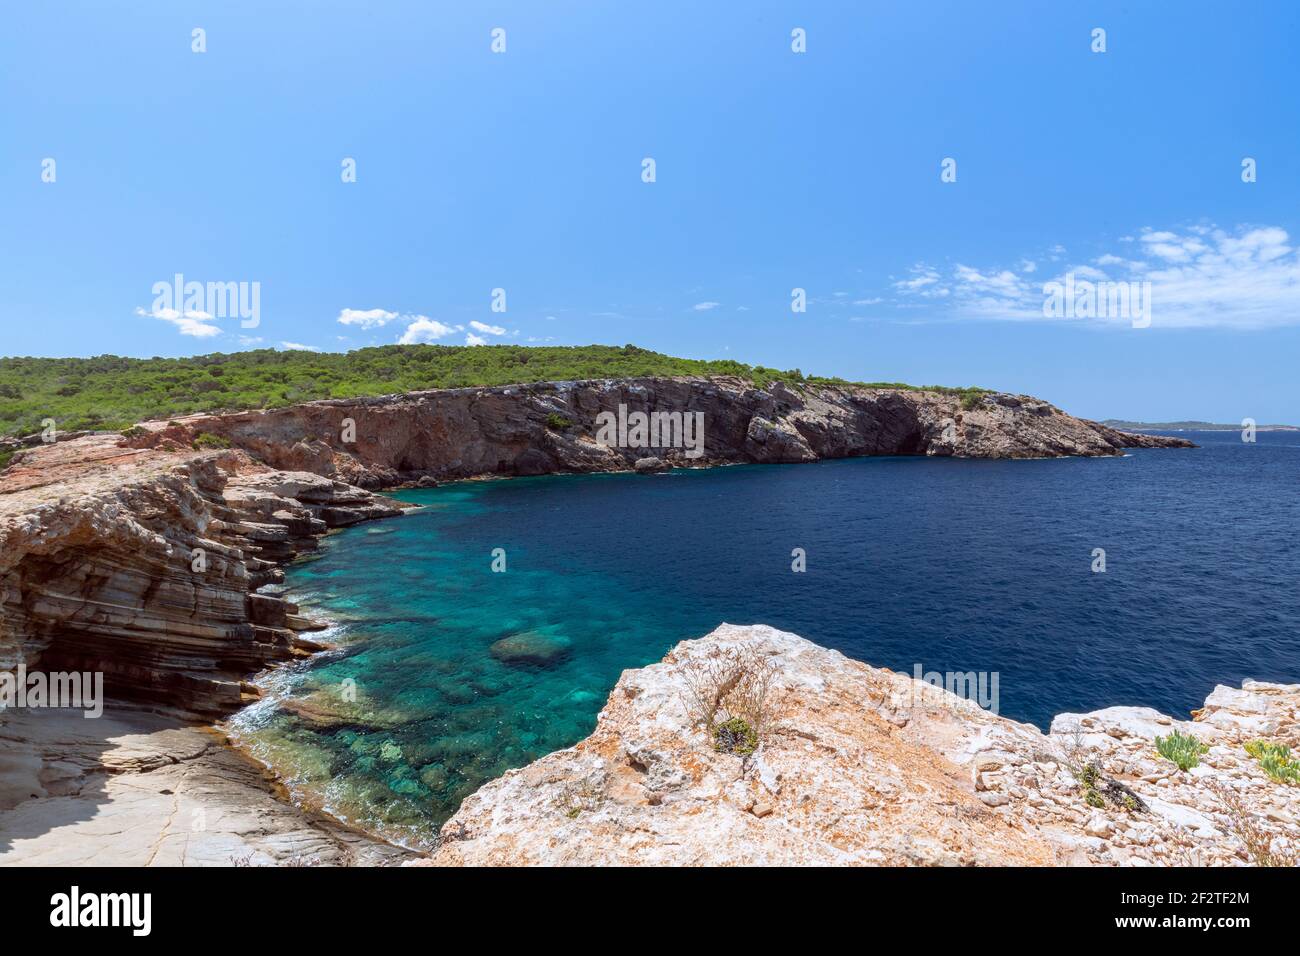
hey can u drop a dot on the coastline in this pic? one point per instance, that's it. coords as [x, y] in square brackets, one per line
[130, 507]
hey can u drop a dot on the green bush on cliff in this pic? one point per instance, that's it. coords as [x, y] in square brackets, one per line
[110, 392]
[1183, 749]
[735, 736]
[558, 423]
[206, 440]
[1276, 761]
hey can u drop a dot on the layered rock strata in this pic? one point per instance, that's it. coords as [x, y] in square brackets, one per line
[145, 566]
[859, 765]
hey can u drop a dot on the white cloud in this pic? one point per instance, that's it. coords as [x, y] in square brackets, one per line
[472, 339]
[705, 306]
[924, 281]
[876, 300]
[424, 330]
[366, 318]
[1201, 276]
[197, 324]
[298, 347]
[487, 329]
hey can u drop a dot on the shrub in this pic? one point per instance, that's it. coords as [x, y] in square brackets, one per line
[557, 422]
[206, 440]
[6, 456]
[1098, 789]
[734, 685]
[1276, 761]
[573, 799]
[135, 431]
[735, 736]
[1183, 749]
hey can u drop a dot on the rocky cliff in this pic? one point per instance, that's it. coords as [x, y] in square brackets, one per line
[144, 565]
[554, 427]
[859, 765]
[141, 557]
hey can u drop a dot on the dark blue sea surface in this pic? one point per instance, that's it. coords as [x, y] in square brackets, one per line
[953, 565]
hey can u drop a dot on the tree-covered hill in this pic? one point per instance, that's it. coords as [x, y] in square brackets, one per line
[110, 392]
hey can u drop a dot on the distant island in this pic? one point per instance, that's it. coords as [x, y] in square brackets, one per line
[1192, 426]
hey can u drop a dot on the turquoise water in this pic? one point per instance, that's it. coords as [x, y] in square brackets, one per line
[417, 608]
[954, 565]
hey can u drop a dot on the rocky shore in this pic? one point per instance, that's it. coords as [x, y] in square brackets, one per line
[551, 427]
[858, 765]
[141, 556]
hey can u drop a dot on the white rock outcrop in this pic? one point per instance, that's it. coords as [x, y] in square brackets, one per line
[860, 765]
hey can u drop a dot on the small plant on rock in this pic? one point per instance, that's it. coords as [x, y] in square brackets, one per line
[735, 736]
[731, 688]
[576, 798]
[1183, 749]
[557, 422]
[1098, 789]
[1276, 761]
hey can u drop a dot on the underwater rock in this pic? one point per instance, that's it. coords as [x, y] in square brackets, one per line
[531, 648]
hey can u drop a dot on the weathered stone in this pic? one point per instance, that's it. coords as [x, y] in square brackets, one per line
[839, 760]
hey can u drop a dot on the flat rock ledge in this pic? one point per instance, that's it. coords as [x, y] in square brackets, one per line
[860, 765]
[141, 789]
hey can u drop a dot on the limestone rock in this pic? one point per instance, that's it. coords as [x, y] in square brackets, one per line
[837, 779]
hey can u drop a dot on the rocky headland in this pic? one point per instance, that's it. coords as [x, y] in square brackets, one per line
[142, 555]
[859, 765]
[548, 427]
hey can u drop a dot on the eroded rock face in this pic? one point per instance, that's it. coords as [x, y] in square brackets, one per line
[864, 766]
[460, 433]
[98, 534]
[143, 567]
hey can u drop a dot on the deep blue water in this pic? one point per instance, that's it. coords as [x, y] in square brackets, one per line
[954, 565]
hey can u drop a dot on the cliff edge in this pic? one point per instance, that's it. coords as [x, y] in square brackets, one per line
[859, 765]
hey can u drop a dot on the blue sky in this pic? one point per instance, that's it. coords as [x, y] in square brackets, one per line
[774, 170]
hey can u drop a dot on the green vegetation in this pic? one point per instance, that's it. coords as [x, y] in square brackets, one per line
[1089, 776]
[1098, 789]
[1276, 761]
[1183, 749]
[206, 440]
[735, 736]
[558, 423]
[6, 456]
[113, 393]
